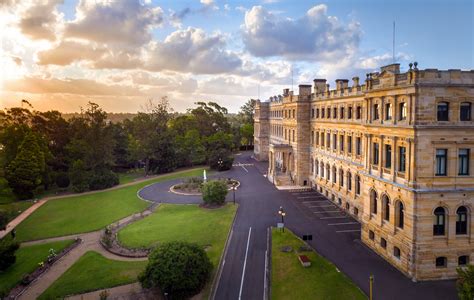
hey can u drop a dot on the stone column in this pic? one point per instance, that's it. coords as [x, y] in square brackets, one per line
[381, 158]
[368, 151]
[395, 110]
[392, 170]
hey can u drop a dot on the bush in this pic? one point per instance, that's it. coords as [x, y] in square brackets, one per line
[180, 269]
[214, 192]
[3, 220]
[62, 180]
[79, 177]
[7, 253]
[221, 160]
[103, 179]
[465, 282]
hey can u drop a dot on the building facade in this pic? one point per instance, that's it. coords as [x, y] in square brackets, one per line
[396, 152]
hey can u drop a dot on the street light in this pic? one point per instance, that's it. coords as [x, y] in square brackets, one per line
[234, 188]
[282, 213]
[220, 163]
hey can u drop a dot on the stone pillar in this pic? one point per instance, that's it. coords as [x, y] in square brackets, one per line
[395, 110]
[392, 170]
[381, 158]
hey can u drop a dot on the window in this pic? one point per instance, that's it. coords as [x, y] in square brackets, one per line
[348, 207]
[375, 154]
[317, 112]
[312, 113]
[328, 140]
[349, 144]
[293, 135]
[357, 185]
[402, 110]
[322, 139]
[349, 181]
[334, 141]
[356, 211]
[441, 161]
[334, 113]
[371, 235]
[402, 162]
[349, 113]
[461, 220]
[443, 111]
[441, 262]
[383, 243]
[316, 167]
[317, 138]
[399, 214]
[463, 260]
[322, 170]
[341, 177]
[339, 201]
[386, 208]
[341, 143]
[373, 202]
[328, 171]
[388, 111]
[322, 112]
[439, 222]
[396, 252]
[341, 114]
[294, 114]
[312, 137]
[358, 146]
[359, 112]
[328, 113]
[388, 156]
[465, 111]
[333, 174]
[463, 161]
[376, 112]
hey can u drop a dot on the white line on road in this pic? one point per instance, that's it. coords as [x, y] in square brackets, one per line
[324, 218]
[245, 264]
[265, 276]
[243, 167]
[327, 211]
[346, 223]
[352, 230]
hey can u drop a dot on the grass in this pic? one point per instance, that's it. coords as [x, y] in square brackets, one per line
[93, 272]
[27, 260]
[131, 175]
[191, 223]
[90, 212]
[13, 209]
[321, 280]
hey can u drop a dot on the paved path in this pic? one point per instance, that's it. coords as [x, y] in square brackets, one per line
[129, 291]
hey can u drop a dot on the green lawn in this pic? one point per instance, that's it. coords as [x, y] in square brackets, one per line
[13, 209]
[27, 260]
[171, 222]
[93, 272]
[320, 281]
[85, 213]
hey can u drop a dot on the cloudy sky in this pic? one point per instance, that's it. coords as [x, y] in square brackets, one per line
[60, 55]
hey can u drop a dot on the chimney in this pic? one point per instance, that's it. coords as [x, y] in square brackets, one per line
[304, 89]
[341, 84]
[319, 85]
[393, 68]
[286, 92]
[355, 80]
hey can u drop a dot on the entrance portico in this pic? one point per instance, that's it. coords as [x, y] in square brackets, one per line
[281, 164]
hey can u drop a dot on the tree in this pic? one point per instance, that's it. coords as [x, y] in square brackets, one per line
[3, 220]
[247, 111]
[221, 159]
[180, 269]
[25, 172]
[214, 192]
[246, 132]
[189, 148]
[8, 248]
[465, 282]
[79, 177]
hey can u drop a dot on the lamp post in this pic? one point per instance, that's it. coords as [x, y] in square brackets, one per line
[282, 213]
[234, 188]
[220, 163]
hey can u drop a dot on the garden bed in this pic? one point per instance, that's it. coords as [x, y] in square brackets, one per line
[192, 186]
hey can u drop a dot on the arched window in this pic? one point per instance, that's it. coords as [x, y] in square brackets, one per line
[349, 181]
[312, 167]
[439, 221]
[316, 167]
[341, 177]
[373, 202]
[334, 174]
[357, 185]
[399, 214]
[461, 220]
[321, 165]
[386, 208]
[328, 171]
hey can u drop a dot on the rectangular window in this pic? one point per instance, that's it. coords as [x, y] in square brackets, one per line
[388, 156]
[341, 115]
[376, 112]
[334, 113]
[349, 112]
[285, 134]
[359, 112]
[317, 138]
[322, 112]
[375, 154]
[349, 144]
[328, 113]
[312, 113]
[334, 141]
[293, 135]
[402, 111]
[441, 161]
[443, 111]
[465, 112]
[341, 143]
[357, 185]
[388, 111]
[294, 114]
[349, 181]
[463, 161]
[402, 162]
[358, 146]
[312, 137]
[317, 112]
[322, 139]
[328, 140]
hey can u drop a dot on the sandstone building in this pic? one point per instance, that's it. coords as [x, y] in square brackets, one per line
[396, 152]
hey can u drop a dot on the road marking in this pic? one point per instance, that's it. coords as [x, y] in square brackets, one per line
[245, 264]
[324, 218]
[346, 223]
[265, 276]
[326, 211]
[352, 230]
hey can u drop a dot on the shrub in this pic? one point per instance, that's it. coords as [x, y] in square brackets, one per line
[3, 220]
[103, 179]
[180, 269]
[465, 282]
[8, 248]
[62, 180]
[214, 192]
[221, 160]
[79, 177]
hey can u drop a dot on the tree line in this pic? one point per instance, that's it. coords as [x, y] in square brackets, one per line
[43, 150]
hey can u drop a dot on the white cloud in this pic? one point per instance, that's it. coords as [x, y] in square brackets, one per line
[312, 37]
[41, 20]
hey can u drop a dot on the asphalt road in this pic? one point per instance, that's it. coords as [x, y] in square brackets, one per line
[336, 236]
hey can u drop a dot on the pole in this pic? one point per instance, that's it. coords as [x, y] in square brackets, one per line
[393, 43]
[371, 286]
[233, 189]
